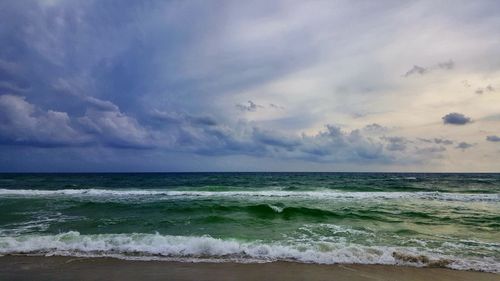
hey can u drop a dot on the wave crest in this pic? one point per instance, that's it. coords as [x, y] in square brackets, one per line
[156, 246]
[319, 195]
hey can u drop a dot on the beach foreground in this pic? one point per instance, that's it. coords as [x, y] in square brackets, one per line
[71, 268]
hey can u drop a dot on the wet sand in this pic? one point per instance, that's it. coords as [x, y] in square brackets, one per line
[14, 268]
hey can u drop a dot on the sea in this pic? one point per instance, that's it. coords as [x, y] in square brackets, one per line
[437, 220]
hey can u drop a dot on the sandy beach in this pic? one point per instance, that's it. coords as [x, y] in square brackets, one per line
[69, 268]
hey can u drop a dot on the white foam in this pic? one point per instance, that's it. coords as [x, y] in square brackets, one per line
[156, 246]
[334, 230]
[39, 222]
[323, 194]
[277, 209]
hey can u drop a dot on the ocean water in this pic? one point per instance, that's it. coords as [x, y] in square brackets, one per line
[447, 220]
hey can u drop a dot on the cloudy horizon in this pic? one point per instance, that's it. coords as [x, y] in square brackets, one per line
[109, 86]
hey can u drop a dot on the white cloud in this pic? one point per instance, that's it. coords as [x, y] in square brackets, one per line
[116, 129]
[23, 123]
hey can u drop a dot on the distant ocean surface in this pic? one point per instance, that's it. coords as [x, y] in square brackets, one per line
[447, 220]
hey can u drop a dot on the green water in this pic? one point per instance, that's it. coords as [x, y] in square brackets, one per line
[451, 219]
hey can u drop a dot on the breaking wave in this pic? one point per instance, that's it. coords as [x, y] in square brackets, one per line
[327, 194]
[205, 248]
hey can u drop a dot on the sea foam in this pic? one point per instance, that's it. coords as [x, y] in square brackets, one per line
[324, 194]
[205, 248]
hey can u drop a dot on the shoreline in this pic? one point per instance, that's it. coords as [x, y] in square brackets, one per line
[13, 267]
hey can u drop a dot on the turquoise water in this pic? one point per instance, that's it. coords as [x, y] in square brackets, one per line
[450, 220]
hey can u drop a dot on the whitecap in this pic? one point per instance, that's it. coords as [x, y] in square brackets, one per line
[205, 248]
[317, 195]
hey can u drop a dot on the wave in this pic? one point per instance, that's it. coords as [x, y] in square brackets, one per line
[338, 195]
[272, 211]
[203, 248]
[268, 209]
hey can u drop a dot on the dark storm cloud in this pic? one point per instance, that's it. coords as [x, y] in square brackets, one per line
[337, 146]
[183, 118]
[104, 124]
[275, 106]
[416, 70]
[464, 145]
[493, 138]
[251, 106]
[274, 139]
[375, 128]
[76, 88]
[104, 79]
[115, 129]
[443, 141]
[24, 124]
[455, 118]
[447, 65]
[91, 66]
[11, 78]
[488, 88]
[203, 120]
[332, 145]
[433, 150]
[437, 141]
[396, 143]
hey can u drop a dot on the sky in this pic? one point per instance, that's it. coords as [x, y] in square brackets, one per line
[177, 86]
